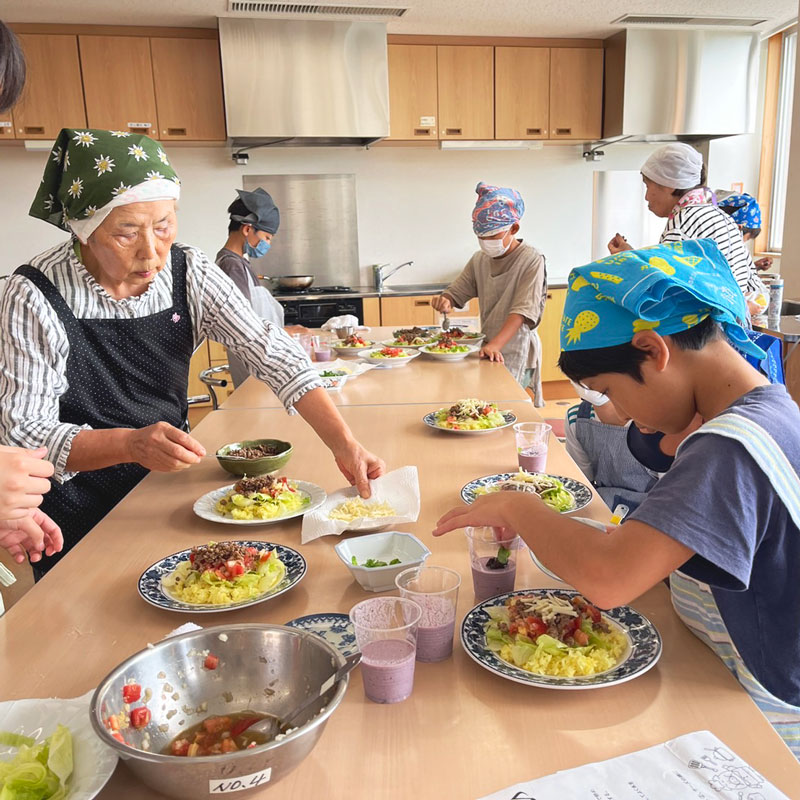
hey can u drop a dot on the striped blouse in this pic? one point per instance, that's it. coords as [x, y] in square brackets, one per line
[710, 222]
[34, 347]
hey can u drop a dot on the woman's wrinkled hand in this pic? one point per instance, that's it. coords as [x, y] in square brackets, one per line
[359, 466]
[34, 534]
[617, 244]
[24, 479]
[163, 448]
[442, 304]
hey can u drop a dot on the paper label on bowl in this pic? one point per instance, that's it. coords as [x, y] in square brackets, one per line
[225, 785]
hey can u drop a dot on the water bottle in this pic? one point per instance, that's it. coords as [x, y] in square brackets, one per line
[775, 298]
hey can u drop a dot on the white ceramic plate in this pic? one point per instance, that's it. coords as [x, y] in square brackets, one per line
[592, 523]
[389, 363]
[644, 646]
[391, 343]
[94, 762]
[581, 493]
[450, 356]
[205, 506]
[344, 351]
[430, 421]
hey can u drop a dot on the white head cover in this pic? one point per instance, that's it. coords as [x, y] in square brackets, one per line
[595, 398]
[676, 166]
[159, 189]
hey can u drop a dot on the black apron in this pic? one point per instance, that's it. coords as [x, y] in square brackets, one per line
[121, 373]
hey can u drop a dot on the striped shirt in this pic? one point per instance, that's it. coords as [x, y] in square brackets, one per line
[34, 346]
[710, 222]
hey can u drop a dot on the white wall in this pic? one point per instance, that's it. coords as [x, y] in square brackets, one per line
[413, 203]
[790, 253]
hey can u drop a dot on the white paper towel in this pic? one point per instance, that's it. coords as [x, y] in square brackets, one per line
[399, 488]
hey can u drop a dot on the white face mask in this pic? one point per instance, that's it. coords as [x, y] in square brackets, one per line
[494, 248]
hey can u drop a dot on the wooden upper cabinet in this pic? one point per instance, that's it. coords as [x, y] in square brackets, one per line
[6, 126]
[53, 96]
[521, 92]
[413, 95]
[118, 83]
[188, 85]
[466, 91]
[576, 93]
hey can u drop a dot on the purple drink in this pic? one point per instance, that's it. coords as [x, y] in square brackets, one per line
[323, 355]
[533, 459]
[436, 627]
[489, 582]
[387, 670]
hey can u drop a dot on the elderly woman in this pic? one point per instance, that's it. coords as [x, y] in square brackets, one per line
[97, 334]
[675, 178]
[509, 278]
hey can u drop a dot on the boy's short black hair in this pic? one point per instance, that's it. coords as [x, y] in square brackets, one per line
[239, 208]
[626, 359]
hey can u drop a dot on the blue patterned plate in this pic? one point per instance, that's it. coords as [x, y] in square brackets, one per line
[430, 421]
[335, 629]
[643, 652]
[579, 491]
[152, 590]
[206, 506]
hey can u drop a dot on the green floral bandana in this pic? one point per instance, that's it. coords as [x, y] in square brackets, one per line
[90, 172]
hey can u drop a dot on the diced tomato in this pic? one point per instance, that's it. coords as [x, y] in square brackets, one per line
[252, 551]
[140, 717]
[112, 723]
[131, 692]
[593, 612]
[572, 626]
[211, 662]
[118, 736]
[512, 628]
[580, 638]
[217, 724]
[228, 746]
[536, 627]
[180, 747]
[265, 555]
[235, 568]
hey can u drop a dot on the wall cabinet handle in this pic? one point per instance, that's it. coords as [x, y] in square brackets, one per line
[175, 131]
[422, 302]
[422, 131]
[563, 131]
[533, 131]
[33, 130]
[452, 131]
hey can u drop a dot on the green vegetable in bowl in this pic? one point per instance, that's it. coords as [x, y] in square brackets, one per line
[371, 562]
[332, 373]
[37, 771]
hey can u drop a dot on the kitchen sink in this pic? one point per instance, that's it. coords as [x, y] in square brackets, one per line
[422, 288]
[790, 308]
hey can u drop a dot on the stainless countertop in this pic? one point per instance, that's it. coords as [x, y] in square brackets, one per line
[786, 328]
[398, 290]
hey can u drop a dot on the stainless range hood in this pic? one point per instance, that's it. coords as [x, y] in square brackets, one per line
[696, 84]
[304, 83]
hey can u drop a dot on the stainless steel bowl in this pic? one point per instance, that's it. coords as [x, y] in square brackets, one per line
[294, 281]
[265, 668]
[345, 331]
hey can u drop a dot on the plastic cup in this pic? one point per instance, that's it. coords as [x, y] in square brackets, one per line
[435, 591]
[386, 632]
[493, 557]
[322, 348]
[304, 340]
[532, 440]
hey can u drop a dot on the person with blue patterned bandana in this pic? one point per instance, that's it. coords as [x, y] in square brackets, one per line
[660, 332]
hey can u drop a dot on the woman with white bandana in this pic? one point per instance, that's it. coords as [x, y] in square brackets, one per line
[97, 334]
[675, 178]
[509, 278]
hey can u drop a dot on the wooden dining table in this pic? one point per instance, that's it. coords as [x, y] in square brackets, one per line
[464, 732]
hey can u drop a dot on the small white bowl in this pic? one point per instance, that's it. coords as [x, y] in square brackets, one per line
[382, 547]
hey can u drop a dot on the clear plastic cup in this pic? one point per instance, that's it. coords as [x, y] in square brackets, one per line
[493, 557]
[304, 340]
[386, 632]
[435, 591]
[321, 347]
[532, 440]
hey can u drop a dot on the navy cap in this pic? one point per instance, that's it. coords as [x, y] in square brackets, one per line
[264, 214]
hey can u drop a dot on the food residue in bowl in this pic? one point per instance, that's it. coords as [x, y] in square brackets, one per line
[216, 735]
[256, 451]
[356, 508]
[372, 562]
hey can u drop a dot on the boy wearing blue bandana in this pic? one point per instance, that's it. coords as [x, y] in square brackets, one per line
[652, 329]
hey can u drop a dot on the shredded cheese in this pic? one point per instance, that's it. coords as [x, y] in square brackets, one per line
[357, 509]
[548, 607]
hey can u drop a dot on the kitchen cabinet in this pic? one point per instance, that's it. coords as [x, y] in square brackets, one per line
[522, 92]
[53, 95]
[413, 92]
[188, 89]
[576, 93]
[408, 311]
[549, 332]
[471, 309]
[118, 83]
[199, 362]
[217, 354]
[465, 79]
[372, 311]
[6, 126]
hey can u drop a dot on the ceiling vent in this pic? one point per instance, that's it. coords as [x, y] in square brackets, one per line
[255, 7]
[688, 21]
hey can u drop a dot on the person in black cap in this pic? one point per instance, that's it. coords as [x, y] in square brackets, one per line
[254, 221]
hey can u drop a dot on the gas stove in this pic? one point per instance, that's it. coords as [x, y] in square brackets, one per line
[312, 290]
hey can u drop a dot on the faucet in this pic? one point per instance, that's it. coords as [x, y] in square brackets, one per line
[380, 276]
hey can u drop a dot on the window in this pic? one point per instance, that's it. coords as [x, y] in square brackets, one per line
[783, 134]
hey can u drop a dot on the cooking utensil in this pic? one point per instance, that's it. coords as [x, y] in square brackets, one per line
[445, 321]
[272, 726]
[294, 281]
[345, 331]
[265, 668]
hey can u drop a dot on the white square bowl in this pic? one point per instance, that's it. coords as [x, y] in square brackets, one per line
[382, 547]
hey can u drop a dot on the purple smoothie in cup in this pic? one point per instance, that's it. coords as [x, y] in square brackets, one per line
[489, 582]
[387, 670]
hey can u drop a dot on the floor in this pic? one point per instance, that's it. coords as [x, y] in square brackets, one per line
[554, 408]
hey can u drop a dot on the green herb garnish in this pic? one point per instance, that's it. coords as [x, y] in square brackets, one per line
[371, 562]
